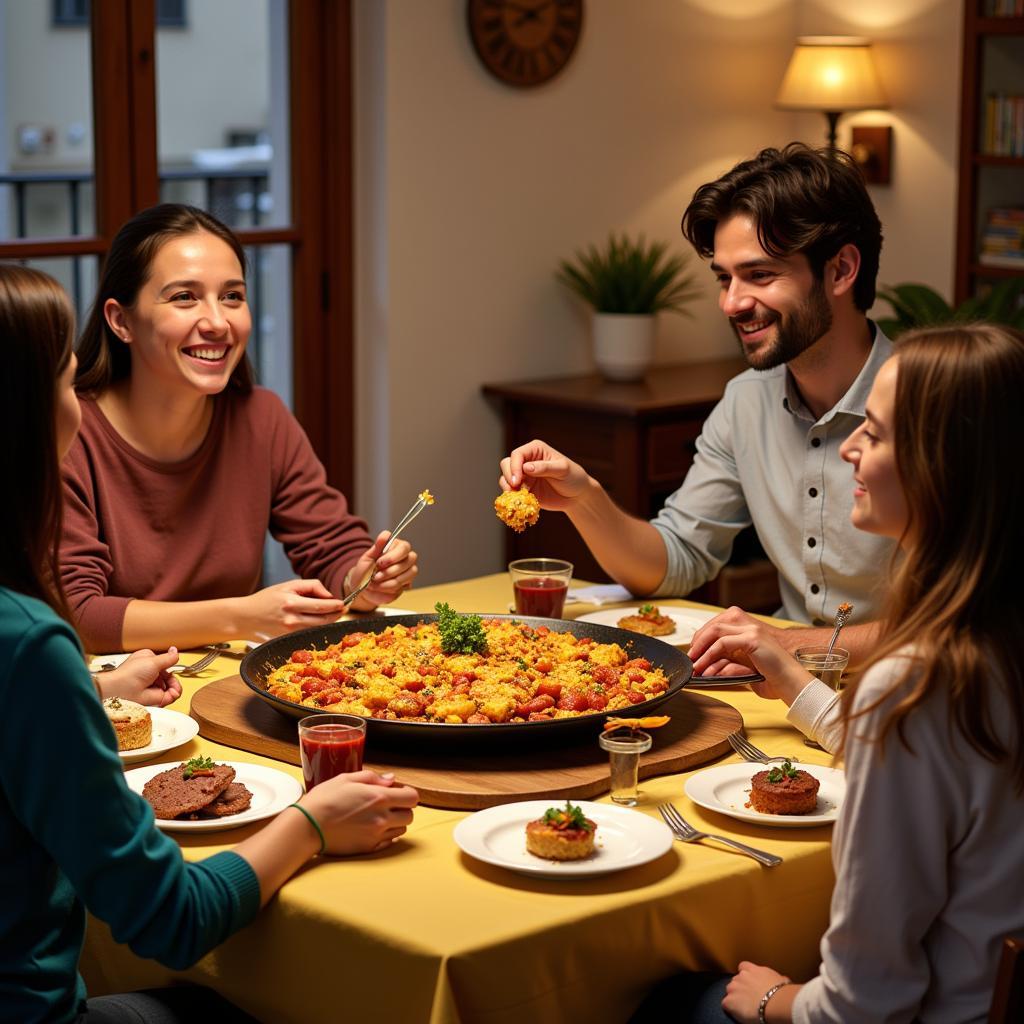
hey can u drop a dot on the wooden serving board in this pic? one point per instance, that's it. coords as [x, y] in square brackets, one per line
[228, 712]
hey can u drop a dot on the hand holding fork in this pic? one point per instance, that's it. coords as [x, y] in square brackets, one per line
[366, 579]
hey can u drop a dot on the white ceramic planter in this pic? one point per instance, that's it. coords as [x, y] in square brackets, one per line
[623, 344]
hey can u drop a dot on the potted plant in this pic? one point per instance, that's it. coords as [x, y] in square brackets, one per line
[917, 305]
[627, 284]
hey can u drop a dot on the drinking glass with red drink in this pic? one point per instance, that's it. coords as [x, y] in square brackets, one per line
[330, 745]
[540, 586]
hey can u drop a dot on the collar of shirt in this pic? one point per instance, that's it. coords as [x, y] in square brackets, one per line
[853, 402]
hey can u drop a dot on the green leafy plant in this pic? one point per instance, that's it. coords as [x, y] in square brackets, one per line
[630, 277]
[782, 771]
[917, 305]
[570, 816]
[460, 634]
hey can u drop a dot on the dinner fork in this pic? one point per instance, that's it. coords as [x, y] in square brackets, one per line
[417, 507]
[686, 833]
[197, 666]
[747, 750]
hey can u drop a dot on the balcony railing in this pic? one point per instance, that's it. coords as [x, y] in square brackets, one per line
[238, 196]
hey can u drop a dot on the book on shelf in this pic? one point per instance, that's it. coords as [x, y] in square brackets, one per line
[1003, 8]
[1003, 125]
[1002, 238]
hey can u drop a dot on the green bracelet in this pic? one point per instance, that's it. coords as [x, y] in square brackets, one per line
[315, 824]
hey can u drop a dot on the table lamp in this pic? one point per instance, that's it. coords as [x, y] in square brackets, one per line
[833, 74]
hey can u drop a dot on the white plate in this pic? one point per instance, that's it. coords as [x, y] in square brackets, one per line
[624, 839]
[100, 660]
[726, 789]
[170, 729]
[272, 791]
[687, 620]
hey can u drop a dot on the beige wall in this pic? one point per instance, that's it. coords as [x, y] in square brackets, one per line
[468, 193]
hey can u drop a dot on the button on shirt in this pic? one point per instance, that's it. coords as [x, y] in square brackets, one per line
[763, 459]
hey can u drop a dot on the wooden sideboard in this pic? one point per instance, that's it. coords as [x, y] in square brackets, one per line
[639, 441]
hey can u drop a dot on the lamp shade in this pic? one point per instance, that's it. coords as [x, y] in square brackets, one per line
[832, 73]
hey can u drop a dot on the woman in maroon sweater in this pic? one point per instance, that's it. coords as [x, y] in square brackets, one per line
[182, 465]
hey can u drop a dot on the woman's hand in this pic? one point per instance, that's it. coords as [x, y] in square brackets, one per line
[361, 812]
[735, 642]
[143, 678]
[392, 576]
[287, 606]
[556, 480]
[744, 993]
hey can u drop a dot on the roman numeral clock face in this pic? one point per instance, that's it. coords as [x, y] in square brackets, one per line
[525, 42]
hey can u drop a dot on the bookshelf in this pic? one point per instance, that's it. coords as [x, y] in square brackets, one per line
[991, 178]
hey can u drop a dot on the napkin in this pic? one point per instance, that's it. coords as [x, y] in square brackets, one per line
[601, 593]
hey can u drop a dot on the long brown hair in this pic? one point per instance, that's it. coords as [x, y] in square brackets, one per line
[811, 201]
[37, 328]
[955, 598]
[102, 356]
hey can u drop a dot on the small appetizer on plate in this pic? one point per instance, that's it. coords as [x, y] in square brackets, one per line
[784, 790]
[562, 833]
[649, 621]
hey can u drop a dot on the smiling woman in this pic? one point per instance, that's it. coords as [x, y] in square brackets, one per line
[182, 465]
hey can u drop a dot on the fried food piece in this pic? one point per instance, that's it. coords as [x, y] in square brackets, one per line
[517, 509]
[427, 497]
[561, 834]
[649, 621]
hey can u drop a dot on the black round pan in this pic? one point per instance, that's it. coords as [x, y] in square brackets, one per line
[258, 664]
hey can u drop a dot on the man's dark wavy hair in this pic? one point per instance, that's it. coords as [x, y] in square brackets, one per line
[803, 200]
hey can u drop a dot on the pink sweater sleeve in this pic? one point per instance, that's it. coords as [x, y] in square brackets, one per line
[85, 564]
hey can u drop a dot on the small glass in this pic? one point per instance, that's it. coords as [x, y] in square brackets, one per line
[330, 745]
[540, 586]
[827, 667]
[624, 750]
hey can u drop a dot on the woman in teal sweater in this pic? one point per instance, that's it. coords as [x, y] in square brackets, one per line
[72, 835]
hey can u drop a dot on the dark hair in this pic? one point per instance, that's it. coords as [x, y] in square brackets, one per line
[37, 329]
[803, 200]
[955, 597]
[103, 357]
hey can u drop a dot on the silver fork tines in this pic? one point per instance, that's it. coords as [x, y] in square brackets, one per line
[197, 666]
[686, 833]
[748, 751]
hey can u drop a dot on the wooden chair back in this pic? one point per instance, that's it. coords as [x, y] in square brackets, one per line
[1008, 998]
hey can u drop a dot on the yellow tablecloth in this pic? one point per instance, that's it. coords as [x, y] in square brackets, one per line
[425, 933]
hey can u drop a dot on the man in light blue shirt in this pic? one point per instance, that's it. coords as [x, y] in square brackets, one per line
[794, 243]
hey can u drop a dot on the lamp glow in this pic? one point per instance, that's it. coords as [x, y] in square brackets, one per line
[833, 74]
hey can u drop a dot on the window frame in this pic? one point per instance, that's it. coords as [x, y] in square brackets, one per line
[319, 234]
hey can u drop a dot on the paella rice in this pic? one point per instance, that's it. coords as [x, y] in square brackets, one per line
[526, 674]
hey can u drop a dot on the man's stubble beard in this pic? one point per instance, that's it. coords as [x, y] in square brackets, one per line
[794, 334]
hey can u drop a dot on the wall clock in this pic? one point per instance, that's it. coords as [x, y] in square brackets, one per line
[524, 42]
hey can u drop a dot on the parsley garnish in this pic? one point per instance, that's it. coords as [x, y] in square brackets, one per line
[570, 816]
[196, 766]
[646, 609]
[782, 771]
[460, 634]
